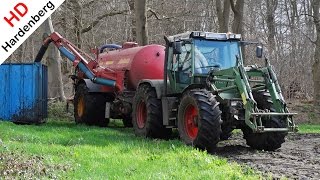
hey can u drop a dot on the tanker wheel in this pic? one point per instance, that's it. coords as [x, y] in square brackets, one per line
[199, 119]
[147, 114]
[268, 141]
[89, 108]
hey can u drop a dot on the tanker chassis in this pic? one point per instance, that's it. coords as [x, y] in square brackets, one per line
[197, 84]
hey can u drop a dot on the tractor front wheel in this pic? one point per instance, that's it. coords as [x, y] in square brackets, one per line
[268, 141]
[199, 119]
[89, 108]
[147, 114]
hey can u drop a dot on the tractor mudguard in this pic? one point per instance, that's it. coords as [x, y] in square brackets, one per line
[157, 84]
[193, 86]
[92, 87]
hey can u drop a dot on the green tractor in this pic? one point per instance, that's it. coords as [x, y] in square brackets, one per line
[207, 92]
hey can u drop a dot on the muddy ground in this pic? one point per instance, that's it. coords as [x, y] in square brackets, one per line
[298, 158]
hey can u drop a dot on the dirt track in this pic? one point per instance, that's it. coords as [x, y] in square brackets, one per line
[298, 158]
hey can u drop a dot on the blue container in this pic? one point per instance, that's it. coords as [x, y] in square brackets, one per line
[23, 93]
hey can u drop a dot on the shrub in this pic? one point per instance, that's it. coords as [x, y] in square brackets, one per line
[59, 110]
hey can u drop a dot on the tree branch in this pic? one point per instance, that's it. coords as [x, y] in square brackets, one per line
[233, 7]
[88, 3]
[307, 15]
[99, 18]
[158, 16]
[153, 13]
[309, 38]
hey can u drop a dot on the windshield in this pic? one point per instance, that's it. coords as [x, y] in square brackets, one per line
[215, 54]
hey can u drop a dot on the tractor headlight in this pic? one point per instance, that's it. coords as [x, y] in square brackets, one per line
[217, 36]
[237, 36]
[236, 104]
[234, 36]
[231, 36]
[199, 34]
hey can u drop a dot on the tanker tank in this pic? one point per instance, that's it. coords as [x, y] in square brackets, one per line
[142, 62]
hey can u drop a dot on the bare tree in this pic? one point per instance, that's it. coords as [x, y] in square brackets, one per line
[133, 21]
[55, 85]
[270, 21]
[77, 20]
[316, 64]
[223, 15]
[238, 16]
[140, 7]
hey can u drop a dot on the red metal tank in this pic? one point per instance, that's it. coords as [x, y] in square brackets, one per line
[142, 62]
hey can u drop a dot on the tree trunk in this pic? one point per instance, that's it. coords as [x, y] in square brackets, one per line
[271, 7]
[238, 16]
[316, 64]
[133, 21]
[140, 7]
[55, 85]
[77, 20]
[223, 16]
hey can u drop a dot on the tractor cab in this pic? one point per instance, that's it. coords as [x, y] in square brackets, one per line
[192, 55]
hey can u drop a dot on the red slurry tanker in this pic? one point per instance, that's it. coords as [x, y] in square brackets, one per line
[105, 86]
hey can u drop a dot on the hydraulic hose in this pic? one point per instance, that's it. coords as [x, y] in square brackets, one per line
[86, 70]
[43, 50]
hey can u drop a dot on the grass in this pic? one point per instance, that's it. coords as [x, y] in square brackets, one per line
[63, 150]
[309, 128]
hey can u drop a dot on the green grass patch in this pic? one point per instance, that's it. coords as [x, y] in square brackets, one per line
[309, 128]
[61, 149]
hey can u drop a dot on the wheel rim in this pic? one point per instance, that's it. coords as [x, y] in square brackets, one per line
[190, 121]
[80, 106]
[141, 114]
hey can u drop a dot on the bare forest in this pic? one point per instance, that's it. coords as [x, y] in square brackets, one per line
[288, 29]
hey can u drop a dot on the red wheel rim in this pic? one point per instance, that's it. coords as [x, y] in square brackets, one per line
[81, 106]
[141, 114]
[190, 121]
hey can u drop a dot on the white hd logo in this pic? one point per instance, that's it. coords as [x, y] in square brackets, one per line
[19, 19]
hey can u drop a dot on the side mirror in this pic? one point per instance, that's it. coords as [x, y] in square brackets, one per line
[177, 47]
[259, 51]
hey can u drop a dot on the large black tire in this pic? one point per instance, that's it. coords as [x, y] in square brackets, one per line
[226, 127]
[89, 108]
[199, 119]
[147, 114]
[226, 133]
[127, 120]
[268, 141]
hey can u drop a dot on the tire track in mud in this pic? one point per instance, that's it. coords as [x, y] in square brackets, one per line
[298, 158]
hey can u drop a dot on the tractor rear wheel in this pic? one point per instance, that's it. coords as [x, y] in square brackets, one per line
[268, 141]
[89, 108]
[199, 119]
[147, 114]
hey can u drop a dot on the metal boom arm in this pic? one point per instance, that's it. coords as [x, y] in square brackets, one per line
[91, 69]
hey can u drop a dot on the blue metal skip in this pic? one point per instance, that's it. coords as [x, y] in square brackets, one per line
[23, 93]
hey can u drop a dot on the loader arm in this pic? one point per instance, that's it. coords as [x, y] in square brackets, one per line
[88, 66]
[240, 78]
